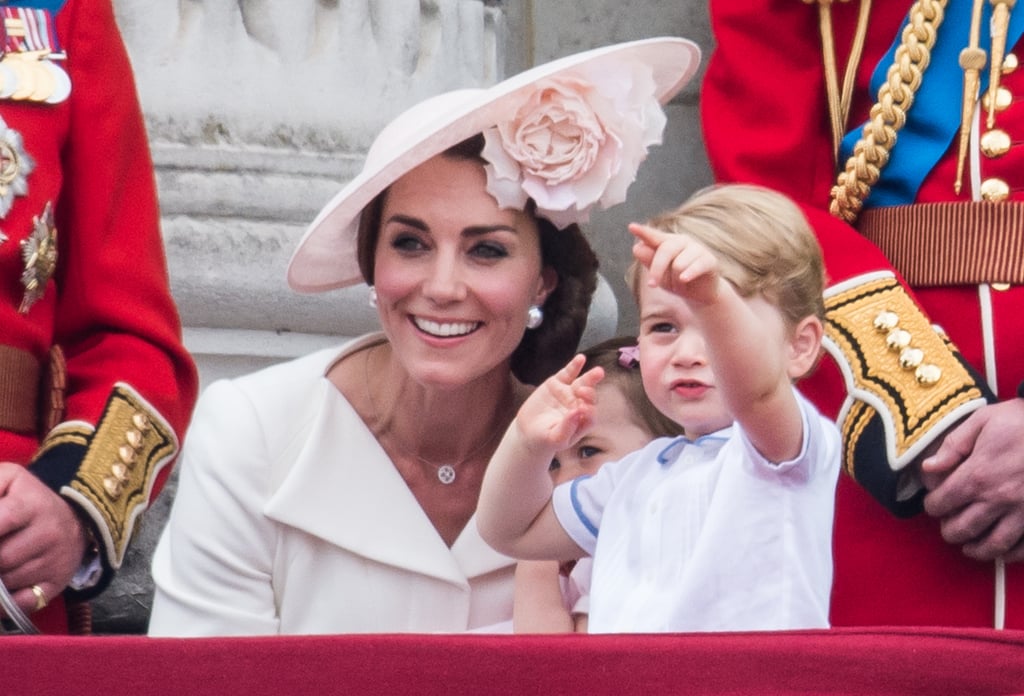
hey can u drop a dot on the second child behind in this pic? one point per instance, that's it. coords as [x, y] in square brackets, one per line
[624, 420]
[728, 527]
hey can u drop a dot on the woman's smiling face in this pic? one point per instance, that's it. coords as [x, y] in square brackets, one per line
[454, 273]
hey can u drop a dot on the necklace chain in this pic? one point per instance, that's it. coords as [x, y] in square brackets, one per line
[446, 473]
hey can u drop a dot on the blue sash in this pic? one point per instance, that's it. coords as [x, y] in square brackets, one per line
[52, 5]
[932, 122]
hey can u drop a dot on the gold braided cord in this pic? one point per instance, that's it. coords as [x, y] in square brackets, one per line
[828, 54]
[855, 52]
[839, 100]
[889, 114]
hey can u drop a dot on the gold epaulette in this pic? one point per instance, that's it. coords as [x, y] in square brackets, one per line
[130, 446]
[897, 367]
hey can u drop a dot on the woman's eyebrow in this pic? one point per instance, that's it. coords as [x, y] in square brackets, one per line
[472, 231]
[407, 220]
[477, 230]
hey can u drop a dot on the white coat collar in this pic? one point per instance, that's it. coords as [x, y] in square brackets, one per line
[343, 488]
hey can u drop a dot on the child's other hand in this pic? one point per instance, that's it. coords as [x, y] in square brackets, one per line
[561, 410]
[677, 263]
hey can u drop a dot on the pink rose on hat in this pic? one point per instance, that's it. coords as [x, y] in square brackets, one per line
[575, 141]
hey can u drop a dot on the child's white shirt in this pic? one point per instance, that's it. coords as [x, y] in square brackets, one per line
[708, 535]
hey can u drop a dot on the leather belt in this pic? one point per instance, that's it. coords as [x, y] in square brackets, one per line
[955, 243]
[19, 390]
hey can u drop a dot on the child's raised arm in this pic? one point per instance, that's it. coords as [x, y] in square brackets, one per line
[754, 354]
[514, 513]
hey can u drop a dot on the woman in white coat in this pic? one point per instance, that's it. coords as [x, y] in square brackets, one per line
[336, 493]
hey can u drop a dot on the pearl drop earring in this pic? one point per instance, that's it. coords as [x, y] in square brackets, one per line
[534, 317]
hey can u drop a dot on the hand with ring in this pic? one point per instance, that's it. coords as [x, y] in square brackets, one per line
[41, 600]
[42, 539]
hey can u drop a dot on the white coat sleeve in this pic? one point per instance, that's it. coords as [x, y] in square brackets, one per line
[212, 567]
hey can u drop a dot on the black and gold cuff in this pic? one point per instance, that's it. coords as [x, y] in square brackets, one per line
[906, 383]
[109, 471]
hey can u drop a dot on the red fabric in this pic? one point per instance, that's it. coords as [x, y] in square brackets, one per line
[850, 661]
[108, 305]
[765, 121]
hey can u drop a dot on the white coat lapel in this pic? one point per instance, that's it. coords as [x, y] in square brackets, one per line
[474, 556]
[343, 488]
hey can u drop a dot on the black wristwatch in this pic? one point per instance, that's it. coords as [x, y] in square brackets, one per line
[1020, 390]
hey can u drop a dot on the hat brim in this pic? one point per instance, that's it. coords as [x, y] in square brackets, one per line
[325, 257]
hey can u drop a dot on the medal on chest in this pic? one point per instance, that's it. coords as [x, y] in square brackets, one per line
[30, 68]
[15, 166]
[39, 252]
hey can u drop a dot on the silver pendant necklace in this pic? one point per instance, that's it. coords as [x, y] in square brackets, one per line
[446, 473]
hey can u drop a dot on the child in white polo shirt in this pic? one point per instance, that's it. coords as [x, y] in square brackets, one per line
[728, 527]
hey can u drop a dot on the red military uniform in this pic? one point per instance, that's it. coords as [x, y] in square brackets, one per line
[76, 177]
[766, 120]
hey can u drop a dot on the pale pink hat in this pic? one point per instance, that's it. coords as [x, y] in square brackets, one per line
[601, 106]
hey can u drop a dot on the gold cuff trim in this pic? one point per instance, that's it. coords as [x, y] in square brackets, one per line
[68, 433]
[855, 420]
[131, 445]
[895, 362]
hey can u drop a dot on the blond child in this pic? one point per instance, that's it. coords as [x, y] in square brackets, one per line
[729, 526]
[552, 597]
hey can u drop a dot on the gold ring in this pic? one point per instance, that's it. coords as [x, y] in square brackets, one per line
[41, 600]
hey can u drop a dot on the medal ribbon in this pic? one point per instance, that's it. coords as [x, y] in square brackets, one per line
[38, 31]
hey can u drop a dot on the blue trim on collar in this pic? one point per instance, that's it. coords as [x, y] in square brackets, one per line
[670, 452]
[932, 122]
[54, 6]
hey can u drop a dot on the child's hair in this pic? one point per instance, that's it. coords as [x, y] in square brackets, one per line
[617, 356]
[762, 240]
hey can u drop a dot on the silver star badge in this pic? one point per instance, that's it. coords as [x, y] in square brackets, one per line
[15, 166]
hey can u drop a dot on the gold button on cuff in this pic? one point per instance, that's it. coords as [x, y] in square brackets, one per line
[886, 321]
[995, 143]
[897, 340]
[928, 374]
[911, 358]
[127, 454]
[995, 190]
[113, 487]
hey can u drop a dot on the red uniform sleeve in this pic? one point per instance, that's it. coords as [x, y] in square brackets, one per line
[130, 384]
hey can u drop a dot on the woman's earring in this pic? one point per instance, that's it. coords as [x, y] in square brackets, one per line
[534, 317]
[373, 297]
